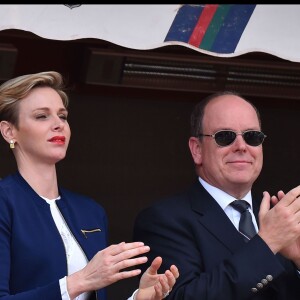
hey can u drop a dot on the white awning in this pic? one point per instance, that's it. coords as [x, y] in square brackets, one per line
[217, 30]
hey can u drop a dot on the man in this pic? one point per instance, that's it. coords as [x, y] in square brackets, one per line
[197, 229]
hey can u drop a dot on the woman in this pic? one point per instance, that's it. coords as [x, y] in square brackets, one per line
[53, 242]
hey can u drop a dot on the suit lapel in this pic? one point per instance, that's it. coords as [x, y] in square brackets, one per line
[256, 206]
[214, 219]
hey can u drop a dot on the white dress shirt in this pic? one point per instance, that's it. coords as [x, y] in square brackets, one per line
[224, 200]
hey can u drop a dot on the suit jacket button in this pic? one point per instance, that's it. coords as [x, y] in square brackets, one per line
[264, 281]
[254, 290]
[269, 277]
[259, 286]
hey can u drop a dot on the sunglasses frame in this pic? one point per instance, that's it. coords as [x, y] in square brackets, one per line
[236, 134]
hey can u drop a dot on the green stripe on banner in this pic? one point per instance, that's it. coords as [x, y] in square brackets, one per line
[214, 26]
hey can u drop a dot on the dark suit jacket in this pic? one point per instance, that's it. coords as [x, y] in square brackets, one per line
[192, 231]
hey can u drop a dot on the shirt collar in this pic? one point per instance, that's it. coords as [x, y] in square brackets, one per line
[222, 198]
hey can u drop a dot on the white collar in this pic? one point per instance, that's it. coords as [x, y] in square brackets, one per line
[222, 198]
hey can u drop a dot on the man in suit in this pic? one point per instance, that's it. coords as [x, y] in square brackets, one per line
[199, 229]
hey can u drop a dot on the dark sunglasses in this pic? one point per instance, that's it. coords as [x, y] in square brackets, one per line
[225, 138]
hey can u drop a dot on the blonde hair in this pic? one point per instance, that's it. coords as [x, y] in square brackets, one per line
[14, 90]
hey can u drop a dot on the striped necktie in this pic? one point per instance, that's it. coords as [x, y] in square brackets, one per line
[246, 226]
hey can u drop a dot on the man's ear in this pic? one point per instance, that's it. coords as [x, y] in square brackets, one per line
[195, 148]
[7, 131]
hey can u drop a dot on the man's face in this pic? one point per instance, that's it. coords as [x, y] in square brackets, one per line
[232, 168]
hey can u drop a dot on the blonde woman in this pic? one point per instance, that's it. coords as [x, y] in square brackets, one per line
[53, 242]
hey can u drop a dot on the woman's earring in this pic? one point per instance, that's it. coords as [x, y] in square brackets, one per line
[12, 144]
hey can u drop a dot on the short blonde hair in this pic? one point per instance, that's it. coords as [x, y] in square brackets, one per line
[14, 90]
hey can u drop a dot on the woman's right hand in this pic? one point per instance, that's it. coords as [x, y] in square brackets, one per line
[154, 286]
[106, 268]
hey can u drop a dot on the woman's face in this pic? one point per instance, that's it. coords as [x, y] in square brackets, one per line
[43, 132]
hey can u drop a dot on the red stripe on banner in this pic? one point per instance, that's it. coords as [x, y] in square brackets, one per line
[202, 24]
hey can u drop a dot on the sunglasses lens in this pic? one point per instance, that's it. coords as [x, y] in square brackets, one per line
[225, 137]
[254, 138]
